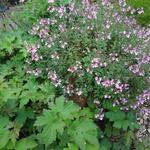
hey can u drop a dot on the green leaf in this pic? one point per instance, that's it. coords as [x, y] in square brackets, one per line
[121, 120]
[4, 137]
[23, 114]
[117, 124]
[25, 144]
[51, 124]
[92, 147]
[3, 121]
[115, 115]
[82, 132]
[105, 144]
[71, 147]
[65, 110]
[24, 101]
[86, 113]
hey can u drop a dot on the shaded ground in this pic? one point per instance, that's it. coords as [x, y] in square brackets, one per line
[6, 21]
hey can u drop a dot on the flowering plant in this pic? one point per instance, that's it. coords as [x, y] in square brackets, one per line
[95, 55]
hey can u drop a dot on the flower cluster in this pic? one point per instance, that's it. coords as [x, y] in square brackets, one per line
[94, 49]
[35, 72]
[90, 10]
[100, 114]
[70, 90]
[96, 62]
[145, 59]
[32, 49]
[116, 85]
[73, 69]
[142, 99]
[137, 69]
[54, 78]
[55, 55]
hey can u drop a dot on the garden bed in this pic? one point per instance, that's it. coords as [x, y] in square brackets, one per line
[74, 75]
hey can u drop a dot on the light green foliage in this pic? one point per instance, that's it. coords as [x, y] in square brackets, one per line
[23, 98]
[66, 117]
[17, 89]
[25, 144]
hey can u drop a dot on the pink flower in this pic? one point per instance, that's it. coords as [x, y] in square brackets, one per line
[61, 28]
[77, 66]
[51, 1]
[56, 81]
[55, 55]
[21, 1]
[98, 80]
[108, 83]
[96, 62]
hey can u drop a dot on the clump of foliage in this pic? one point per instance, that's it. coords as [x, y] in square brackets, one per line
[31, 117]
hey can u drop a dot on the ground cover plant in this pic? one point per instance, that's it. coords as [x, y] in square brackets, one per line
[75, 76]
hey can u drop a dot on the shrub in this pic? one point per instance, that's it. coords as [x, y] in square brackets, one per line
[98, 57]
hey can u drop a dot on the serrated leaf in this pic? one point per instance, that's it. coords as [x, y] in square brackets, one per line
[115, 115]
[65, 110]
[23, 114]
[23, 101]
[51, 124]
[83, 131]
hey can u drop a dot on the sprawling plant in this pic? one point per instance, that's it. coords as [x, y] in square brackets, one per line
[98, 57]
